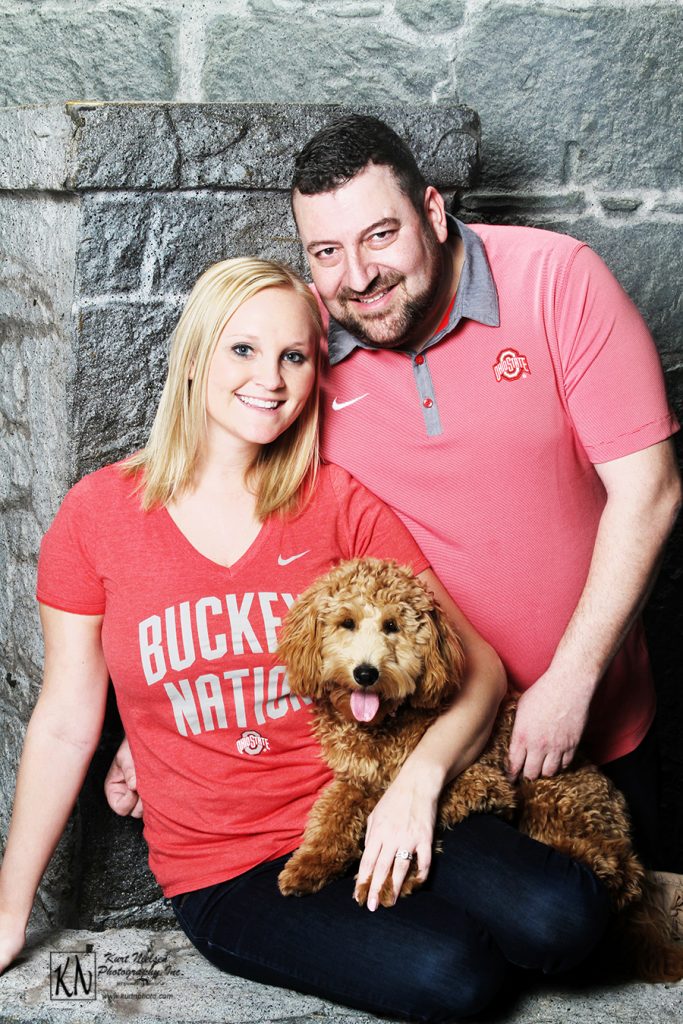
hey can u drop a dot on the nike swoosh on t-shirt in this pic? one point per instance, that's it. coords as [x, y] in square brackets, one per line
[337, 405]
[293, 558]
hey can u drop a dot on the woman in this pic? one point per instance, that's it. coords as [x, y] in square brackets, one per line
[171, 572]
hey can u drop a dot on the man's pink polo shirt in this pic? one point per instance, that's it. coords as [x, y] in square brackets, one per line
[484, 444]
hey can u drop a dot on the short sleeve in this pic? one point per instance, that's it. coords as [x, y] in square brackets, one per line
[67, 572]
[372, 529]
[613, 378]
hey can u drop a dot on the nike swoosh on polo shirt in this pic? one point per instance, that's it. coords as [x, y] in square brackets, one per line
[337, 405]
[292, 558]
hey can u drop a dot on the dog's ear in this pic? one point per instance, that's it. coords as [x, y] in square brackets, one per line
[444, 661]
[299, 645]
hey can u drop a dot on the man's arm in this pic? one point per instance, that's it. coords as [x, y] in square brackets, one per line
[643, 499]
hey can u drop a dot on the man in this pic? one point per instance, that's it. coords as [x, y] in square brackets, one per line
[499, 390]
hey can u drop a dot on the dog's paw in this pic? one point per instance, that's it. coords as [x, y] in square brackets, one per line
[302, 876]
[385, 897]
[411, 883]
[360, 894]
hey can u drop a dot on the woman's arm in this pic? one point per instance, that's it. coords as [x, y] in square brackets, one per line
[404, 817]
[60, 740]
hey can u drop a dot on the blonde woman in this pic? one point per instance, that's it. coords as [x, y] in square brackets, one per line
[171, 573]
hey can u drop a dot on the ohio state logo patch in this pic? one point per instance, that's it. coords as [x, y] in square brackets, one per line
[510, 365]
[252, 742]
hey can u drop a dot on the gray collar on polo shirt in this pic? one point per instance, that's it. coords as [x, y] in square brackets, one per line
[476, 298]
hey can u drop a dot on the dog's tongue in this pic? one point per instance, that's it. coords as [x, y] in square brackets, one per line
[364, 706]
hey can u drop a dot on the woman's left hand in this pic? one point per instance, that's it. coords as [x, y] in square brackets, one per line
[403, 820]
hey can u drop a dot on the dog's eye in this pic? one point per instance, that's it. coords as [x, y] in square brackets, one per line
[390, 626]
[348, 624]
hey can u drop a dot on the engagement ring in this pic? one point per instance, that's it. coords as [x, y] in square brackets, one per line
[403, 855]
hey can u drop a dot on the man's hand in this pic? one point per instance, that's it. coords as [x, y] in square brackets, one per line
[402, 820]
[120, 784]
[548, 726]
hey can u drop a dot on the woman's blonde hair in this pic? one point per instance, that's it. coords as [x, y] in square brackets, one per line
[168, 462]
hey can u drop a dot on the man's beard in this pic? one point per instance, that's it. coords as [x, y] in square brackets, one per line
[392, 330]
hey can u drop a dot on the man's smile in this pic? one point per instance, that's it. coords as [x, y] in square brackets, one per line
[372, 300]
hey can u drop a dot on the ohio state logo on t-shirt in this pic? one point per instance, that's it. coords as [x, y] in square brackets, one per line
[510, 365]
[252, 742]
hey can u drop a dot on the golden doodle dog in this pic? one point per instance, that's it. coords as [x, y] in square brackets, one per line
[370, 645]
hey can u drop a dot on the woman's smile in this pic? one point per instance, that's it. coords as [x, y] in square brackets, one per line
[265, 404]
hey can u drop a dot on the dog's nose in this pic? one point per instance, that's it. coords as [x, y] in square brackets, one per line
[365, 675]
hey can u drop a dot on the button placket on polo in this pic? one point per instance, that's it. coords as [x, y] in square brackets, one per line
[425, 390]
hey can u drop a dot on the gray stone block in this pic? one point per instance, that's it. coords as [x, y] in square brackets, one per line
[34, 147]
[15, 481]
[607, 82]
[620, 204]
[123, 51]
[246, 146]
[192, 231]
[13, 730]
[350, 8]
[20, 637]
[37, 269]
[121, 146]
[322, 57]
[431, 15]
[513, 208]
[669, 206]
[121, 359]
[26, 639]
[13, 379]
[112, 243]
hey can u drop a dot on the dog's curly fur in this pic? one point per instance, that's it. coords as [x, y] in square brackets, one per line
[375, 619]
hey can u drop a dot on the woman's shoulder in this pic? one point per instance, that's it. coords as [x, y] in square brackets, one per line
[333, 476]
[107, 487]
[337, 489]
[332, 485]
[346, 486]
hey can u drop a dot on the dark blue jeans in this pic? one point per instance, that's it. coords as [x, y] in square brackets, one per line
[494, 897]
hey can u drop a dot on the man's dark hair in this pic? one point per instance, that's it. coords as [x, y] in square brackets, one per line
[342, 149]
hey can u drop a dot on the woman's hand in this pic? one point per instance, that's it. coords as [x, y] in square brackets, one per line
[120, 783]
[12, 938]
[403, 820]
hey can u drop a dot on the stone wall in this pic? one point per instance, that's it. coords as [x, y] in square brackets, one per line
[581, 101]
